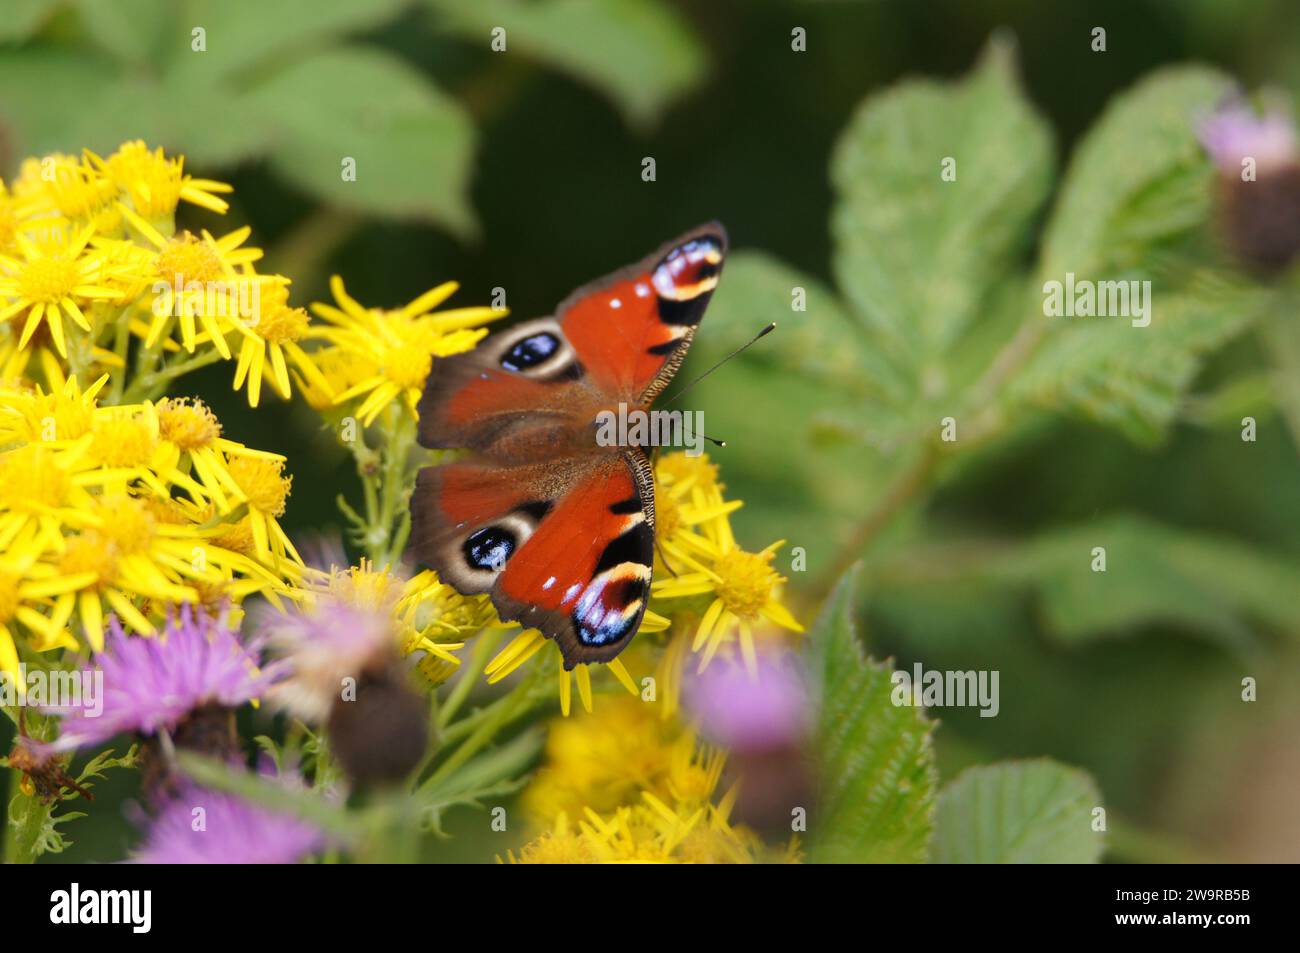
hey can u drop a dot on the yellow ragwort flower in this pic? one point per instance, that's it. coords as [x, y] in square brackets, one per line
[643, 790]
[49, 279]
[743, 586]
[396, 348]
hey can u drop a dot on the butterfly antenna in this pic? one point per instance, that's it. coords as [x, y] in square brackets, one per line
[767, 330]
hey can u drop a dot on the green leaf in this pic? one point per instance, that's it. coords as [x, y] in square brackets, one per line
[22, 18]
[1138, 174]
[496, 773]
[412, 144]
[1134, 378]
[916, 255]
[134, 31]
[272, 794]
[76, 88]
[821, 342]
[1155, 575]
[1018, 812]
[638, 52]
[243, 34]
[876, 765]
[1133, 208]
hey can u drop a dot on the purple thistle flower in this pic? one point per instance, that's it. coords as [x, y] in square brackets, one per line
[1236, 131]
[154, 683]
[233, 831]
[323, 646]
[744, 712]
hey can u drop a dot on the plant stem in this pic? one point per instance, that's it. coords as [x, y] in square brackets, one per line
[150, 386]
[495, 717]
[905, 485]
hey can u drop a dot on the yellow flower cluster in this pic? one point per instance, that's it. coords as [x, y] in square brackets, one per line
[129, 509]
[373, 357]
[713, 594]
[630, 786]
[91, 259]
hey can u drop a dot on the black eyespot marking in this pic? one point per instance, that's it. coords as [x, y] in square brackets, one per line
[531, 351]
[535, 508]
[489, 548]
[623, 507]
[687, 311]
[573, 372]
[637, 545]
[666, 348]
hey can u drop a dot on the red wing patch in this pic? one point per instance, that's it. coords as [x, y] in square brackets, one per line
[566, 547]
[627, 327]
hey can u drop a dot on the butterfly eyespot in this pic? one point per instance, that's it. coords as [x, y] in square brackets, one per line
[531, 351]
[689, 271]
[489, 548]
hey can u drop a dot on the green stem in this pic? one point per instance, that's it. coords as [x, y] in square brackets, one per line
[906, 484]
[493, 718]
[151, 386]
[484, 647]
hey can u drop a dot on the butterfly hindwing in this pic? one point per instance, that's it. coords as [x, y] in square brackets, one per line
[566, 548]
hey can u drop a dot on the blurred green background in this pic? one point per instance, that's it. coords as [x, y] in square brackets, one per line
[522, 169]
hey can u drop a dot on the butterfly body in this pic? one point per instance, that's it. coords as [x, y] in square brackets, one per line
[557, 528]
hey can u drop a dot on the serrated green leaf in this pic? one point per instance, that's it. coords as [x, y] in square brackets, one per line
[821, 342]
[1134, 378]
[1018, 812]
[638, 52]
[1133, 209]
[916, 255]
[875, 762]
[1135, 173]
[412, 144]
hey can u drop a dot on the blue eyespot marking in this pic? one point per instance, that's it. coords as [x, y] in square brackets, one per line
[489, 548]
[531, 351]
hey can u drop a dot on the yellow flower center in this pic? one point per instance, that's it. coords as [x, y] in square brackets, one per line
[668, 514]
[557, 848]
[48, 280]
[679, 467]
[89, 552]
[282, 325]
[408, 362]
[122, 442]
[363, 587]
[8, 596]
[263, 482]
[190, 258]
[31, 480]
[128, 524]
[236, 537]
[189, 425]
[747, 581]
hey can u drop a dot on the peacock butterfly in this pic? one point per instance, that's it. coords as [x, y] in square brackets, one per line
[558, 529]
